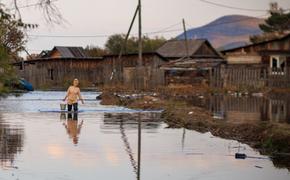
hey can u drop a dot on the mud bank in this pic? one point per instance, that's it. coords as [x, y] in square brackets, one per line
[269, 138]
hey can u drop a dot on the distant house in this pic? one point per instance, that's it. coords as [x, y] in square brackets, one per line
[192, 66]
[56, 68]
[275, 53]
[269, 61]
[197, 48]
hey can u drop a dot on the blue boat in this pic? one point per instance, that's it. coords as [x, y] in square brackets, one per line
[26, 85]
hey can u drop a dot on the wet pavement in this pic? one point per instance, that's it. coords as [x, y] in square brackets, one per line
[106, 142]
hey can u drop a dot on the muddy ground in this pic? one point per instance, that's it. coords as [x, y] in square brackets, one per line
[271, 139]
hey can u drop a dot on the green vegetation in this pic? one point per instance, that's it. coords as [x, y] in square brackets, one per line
[12, 41]
[95, 51]
[276, 25]
[6, 71]
[277, 22]
[115, 42]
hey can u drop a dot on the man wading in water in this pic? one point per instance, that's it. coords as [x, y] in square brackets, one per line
[72, 96]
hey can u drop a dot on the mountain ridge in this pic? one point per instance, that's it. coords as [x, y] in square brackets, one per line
[227, 31]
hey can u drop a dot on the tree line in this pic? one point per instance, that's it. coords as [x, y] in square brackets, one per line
[276, 25]
[115, 42]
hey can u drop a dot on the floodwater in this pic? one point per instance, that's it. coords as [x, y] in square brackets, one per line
[107, 142]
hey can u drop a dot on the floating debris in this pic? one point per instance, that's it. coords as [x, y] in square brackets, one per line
[259, 167]
[240, 156]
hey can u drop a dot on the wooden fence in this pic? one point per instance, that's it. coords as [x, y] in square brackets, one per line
[247, 77]
[279, 79]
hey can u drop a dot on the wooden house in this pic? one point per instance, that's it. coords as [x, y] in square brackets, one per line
[189, 66]
[58, 67]
[264, 64]
[125, 70]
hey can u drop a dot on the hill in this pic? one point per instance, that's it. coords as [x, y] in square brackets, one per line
[227, 31]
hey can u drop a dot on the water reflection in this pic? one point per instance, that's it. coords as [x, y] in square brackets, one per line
[126, 122]
[247, 108]
[128, 148]
[11, 143]
[273, 108]
[72, 126]
[150, 121]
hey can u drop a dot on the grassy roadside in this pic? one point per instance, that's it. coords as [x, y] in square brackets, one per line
[269, 138]
[3, 90]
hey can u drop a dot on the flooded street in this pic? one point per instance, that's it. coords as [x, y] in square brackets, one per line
[102, 142]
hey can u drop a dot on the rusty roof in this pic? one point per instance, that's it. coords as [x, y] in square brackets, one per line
[177, 48]
[70, 52]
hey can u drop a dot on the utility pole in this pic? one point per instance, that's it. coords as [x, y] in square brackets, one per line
[128, 33]
[140, 35]
[139, 78]
[185, 39]
[139, 146]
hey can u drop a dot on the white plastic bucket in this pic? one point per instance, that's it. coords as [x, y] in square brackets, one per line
[62, 106]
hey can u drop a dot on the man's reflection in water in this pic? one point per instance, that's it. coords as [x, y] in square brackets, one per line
[72, 126]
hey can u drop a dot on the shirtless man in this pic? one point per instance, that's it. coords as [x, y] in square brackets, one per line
[72, 96]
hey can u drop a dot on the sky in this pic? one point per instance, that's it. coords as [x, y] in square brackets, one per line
[106, 17]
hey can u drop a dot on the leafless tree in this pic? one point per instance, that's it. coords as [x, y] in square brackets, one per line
[50, 11]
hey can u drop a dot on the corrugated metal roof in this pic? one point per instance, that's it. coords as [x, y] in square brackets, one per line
[71, 52]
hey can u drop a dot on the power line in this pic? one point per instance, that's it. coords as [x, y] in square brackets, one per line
[165, 30]
[159, 32]
[96, 36]
[171, 26]
[232, 7]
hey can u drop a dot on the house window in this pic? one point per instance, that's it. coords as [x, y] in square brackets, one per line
[278, 64]
[282, 65]
[274, 62]
[50, 74]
